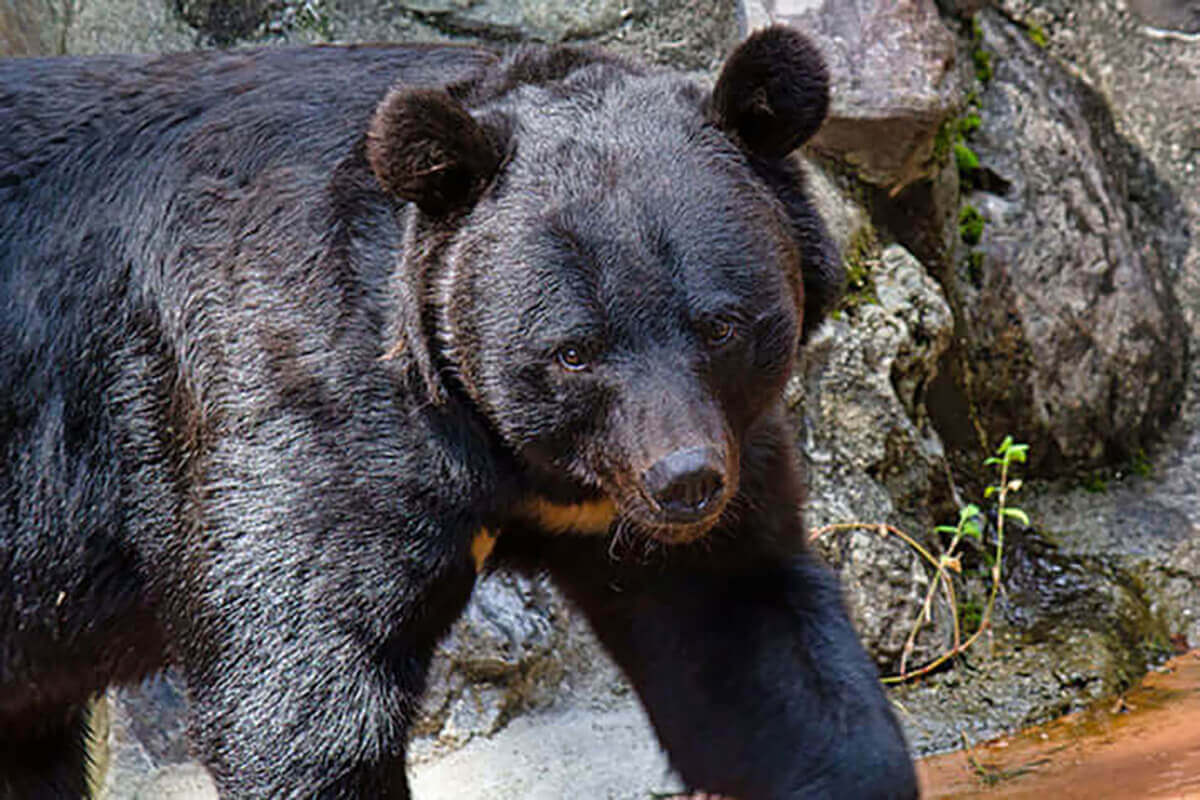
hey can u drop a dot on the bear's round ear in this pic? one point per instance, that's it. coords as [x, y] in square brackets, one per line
[423, 146]
[773, 92]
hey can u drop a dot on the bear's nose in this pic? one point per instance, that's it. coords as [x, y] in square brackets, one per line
[687, 483]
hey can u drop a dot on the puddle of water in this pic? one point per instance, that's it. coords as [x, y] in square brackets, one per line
[1144, 745]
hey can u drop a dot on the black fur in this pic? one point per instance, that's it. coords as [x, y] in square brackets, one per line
[773, 92]
[425, 147]
[254, 405]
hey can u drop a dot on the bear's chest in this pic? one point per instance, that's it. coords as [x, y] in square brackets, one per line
[589, 518]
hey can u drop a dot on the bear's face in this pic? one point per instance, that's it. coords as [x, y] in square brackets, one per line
[624, 296]
[631, 305]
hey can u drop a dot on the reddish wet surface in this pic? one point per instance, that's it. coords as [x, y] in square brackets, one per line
[1144, 745]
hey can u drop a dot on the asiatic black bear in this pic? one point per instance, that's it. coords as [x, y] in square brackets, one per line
[284, 333]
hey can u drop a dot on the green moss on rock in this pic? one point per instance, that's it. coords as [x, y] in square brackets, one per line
[970, 225]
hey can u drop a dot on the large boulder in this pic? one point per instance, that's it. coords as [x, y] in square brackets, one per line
[544, 20]
[1075, 339]
[1147, 73]
[31, 27]
[869, 451]
[894, 82]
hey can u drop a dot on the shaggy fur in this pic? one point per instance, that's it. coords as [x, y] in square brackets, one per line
[292, 340]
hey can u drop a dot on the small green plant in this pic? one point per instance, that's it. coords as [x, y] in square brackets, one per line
[952, 136]
[970, 224]
[983, 64]
[975, 268]
[970, 525]
[861, 253]
[965, 157]
[944, 139]
[971, 122]
[1140, 465]
[1037, 35]
[981, 58]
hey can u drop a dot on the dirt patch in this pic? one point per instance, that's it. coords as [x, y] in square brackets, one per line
[1145, 744]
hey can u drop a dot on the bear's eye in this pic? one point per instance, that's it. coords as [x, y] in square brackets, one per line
[572, 358]
[719, 331]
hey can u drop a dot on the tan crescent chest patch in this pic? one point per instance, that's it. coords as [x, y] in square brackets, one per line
[593, 518]
[482, 546]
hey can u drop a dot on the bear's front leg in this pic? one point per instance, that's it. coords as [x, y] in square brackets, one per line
[303, 722]
[753, 677]
[306, 655]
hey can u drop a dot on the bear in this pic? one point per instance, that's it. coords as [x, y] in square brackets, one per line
[295, 342]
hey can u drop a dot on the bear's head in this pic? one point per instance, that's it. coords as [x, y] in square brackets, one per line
[613, 265]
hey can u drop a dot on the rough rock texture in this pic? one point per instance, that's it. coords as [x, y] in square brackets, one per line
[147, 741]
[894, 81]
[1076, 339]
[128, 26]
[1117, 569]
[510, 652]
[581, 751]
[224, 21]
[689, 34]
[1178, 15]
[544, 20]
[32, 27]
[1148, 77]
[869, 452]
[1017, 679]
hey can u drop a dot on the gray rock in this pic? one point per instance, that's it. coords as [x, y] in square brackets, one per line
[178, 782]
[1076, 343]
[894, 82]
[1126, 553]
[1015, 681]
[542, 20]
[752, 16]
[146, 734]
[1149, 81]
[508, 653]
[223, 21]
[32, 27]
[607, 754]
[845, 220]
[1180, 15]
[869, 452]
[127, 26]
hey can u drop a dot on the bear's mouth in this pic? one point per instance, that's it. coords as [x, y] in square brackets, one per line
[639, 512]
[677, 534]
[673, 527]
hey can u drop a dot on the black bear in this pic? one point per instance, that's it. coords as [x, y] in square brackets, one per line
[289, 340]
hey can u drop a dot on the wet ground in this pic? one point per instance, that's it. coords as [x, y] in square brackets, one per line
[1145, 744]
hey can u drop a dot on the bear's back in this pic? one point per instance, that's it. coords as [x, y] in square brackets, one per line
[104, 160]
